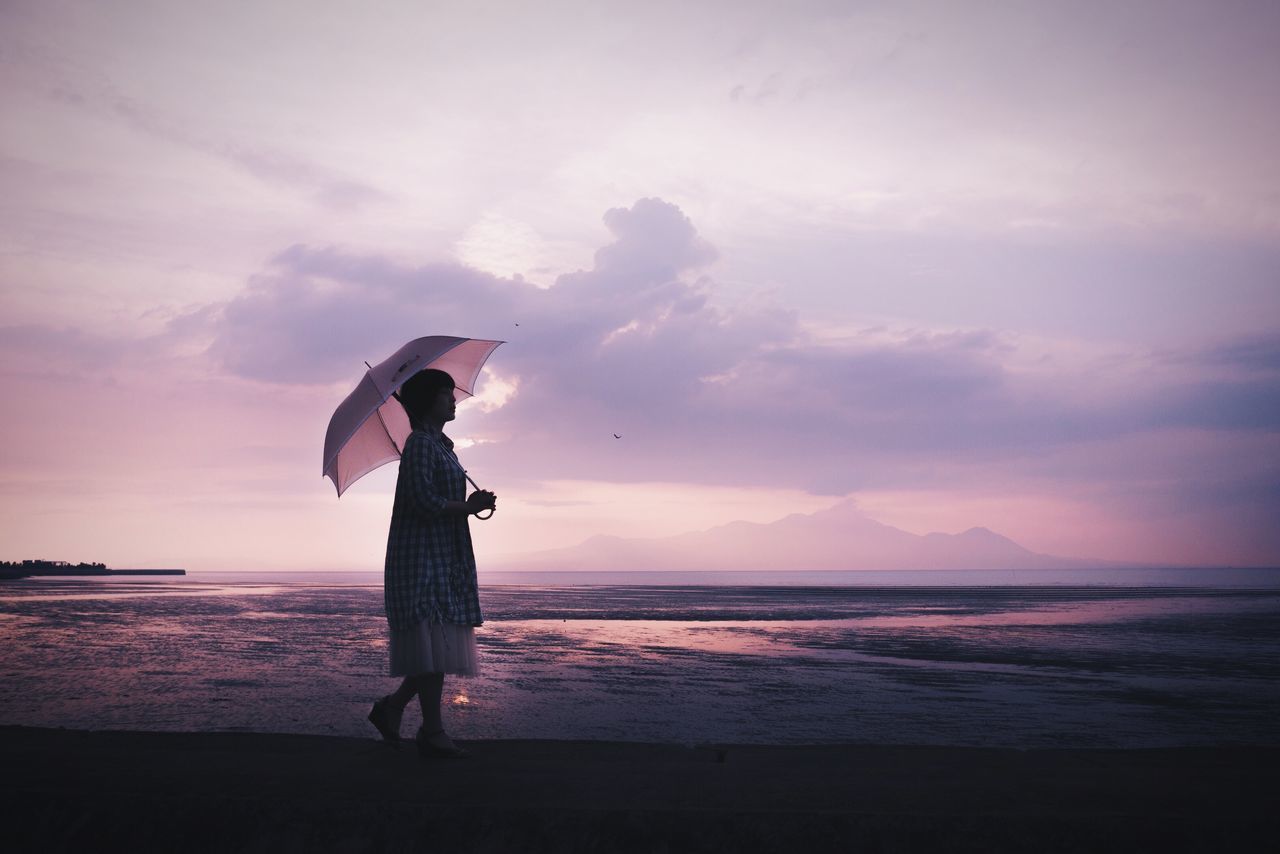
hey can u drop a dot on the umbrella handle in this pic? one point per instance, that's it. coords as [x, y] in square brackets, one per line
[477, 486]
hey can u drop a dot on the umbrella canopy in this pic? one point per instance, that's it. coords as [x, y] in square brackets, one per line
[370, 426]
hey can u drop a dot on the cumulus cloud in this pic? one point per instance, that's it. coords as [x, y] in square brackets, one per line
[316, 314]
[703, 389]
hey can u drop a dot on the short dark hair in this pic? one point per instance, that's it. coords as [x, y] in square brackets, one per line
[421, 390]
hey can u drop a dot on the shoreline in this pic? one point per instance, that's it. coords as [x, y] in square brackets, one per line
[6, 575]
[80, 789]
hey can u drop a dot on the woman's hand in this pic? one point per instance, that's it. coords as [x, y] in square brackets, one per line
[481, 500]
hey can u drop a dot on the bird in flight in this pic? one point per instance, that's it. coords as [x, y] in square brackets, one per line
[616, 436]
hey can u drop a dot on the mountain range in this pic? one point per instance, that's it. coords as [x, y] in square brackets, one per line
[838, 538]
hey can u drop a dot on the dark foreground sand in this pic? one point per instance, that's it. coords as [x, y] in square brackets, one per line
[66, 790]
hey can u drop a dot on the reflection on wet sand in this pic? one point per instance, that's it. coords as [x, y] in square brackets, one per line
[71, 592]
[1011, 666]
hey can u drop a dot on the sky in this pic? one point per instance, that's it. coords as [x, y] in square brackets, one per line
[1001, 264]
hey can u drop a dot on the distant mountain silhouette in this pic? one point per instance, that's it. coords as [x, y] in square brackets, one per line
[841, 537]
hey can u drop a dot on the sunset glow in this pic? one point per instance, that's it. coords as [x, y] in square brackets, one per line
[1010, 266]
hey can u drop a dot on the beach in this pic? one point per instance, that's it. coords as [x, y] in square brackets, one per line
[229, 715]
[1010, 666]
[228, 792]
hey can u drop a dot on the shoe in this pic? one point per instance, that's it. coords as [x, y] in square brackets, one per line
[386, 718]
[429, 749]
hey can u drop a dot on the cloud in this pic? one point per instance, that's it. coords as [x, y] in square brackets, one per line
[1231, 385]
[37, 349]
[317, 314]
[326, 186]
[703, 388]
[41, 353]
[707, 390]
[1224, 405]
[655, 241]
[1256, 354]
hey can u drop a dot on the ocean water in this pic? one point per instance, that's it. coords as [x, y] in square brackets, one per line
[1150, 658]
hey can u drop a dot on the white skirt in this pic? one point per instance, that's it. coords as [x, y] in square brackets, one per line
[434, 648]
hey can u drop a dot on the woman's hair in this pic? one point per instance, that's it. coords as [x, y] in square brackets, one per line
[420, 391]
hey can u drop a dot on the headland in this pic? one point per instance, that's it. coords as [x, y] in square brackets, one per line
[29, 568]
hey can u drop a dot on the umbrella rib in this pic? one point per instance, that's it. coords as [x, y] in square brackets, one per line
[383, 424]
[351, 416]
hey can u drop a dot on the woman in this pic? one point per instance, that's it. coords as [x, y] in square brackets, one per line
[430, 589]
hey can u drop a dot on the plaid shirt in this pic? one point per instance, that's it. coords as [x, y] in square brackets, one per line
[430, 573]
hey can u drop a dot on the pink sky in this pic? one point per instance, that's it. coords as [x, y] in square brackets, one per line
[1011, 265]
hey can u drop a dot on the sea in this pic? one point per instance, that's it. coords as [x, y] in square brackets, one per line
[1029, 659]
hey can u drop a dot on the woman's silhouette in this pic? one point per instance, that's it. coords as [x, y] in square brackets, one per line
[430, 590]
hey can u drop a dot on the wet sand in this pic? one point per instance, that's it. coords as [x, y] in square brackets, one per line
[88, 791]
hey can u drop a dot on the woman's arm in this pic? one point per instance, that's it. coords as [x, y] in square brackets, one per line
[419, 466]
[475, 503]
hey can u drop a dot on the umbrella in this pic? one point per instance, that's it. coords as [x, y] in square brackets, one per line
[369, 428]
